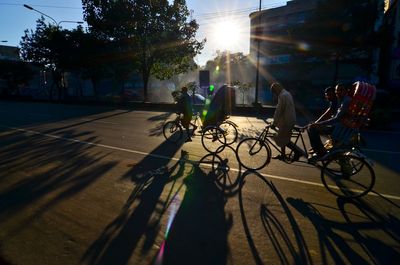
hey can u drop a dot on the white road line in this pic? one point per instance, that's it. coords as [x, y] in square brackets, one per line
[105, 122]
[177, 159]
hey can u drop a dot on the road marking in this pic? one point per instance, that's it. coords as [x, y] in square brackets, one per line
[388, 196]
[105, 122]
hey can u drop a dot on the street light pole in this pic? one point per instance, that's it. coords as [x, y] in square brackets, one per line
[69, 21]
[55, 22]
[31, 8]
[256, 103]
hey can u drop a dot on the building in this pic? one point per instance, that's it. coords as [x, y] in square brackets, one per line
[284, 58]
[9, 53]
[390, 50]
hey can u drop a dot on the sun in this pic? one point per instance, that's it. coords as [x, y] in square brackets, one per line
[226, 34]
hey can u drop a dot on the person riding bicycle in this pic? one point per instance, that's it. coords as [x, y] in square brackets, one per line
[330, 112]
[315, 129]
[284, 119]
[184, 106]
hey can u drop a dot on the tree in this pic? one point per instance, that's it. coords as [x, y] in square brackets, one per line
[343, 30]
[90, 56]
[50, 48]
[156, 36]
[243, 88]
[233, 65]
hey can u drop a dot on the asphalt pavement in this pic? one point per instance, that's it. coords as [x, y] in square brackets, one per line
[100, 185]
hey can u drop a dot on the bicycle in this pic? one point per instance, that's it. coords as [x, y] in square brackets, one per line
[345, 172]
[214, 138]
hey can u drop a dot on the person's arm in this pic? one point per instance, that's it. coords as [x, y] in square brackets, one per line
[339, 114]
[278, 110]
[325, 116]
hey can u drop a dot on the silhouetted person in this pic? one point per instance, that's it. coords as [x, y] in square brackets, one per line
[186, 108]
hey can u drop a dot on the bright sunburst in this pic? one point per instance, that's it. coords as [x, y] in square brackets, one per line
[226, 34]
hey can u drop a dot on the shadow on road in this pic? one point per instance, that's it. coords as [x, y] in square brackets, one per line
[283, 244]
[361, 222]
[141, 214]
[198, 234]
[38, 173]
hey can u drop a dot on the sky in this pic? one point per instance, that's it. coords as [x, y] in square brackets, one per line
[224, 23]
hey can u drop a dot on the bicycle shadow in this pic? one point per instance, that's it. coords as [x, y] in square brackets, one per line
[218, 165]
[283, 235]
[362, 222]
[143, 210]
[198, 233]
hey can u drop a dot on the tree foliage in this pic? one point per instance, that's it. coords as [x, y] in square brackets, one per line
[49, 48]
[155, 36]
[58, 51]
[242, 87]
[227, 66]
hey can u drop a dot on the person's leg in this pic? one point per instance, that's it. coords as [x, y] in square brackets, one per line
[281, 139]
[298, 152]
[185, 123]
[315, 140]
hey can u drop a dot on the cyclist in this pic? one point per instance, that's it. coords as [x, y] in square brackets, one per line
[185, 107]
[284, 119]
[315, 129]
[330, 112]
[330, 96]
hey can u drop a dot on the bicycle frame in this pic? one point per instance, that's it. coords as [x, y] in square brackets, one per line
[267, 137]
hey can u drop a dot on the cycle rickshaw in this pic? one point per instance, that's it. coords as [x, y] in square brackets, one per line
[345, 170]
[216, 130]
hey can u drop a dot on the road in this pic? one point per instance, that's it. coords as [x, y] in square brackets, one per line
[100, 185]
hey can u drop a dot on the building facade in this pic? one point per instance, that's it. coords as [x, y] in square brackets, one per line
[284, 58]
[390, 50]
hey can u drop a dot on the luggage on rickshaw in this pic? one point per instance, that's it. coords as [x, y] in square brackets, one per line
[362, 97]
[220, 107]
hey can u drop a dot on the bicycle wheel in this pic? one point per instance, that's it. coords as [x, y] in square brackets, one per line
[213, 139]
[172, 131]
[230, 130]
[253, 153]
[348, 176]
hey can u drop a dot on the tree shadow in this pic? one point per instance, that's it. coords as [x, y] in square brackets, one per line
[35, 167]
[198, 234]
[284, 237]
[160, 120]
[363, 223]
[141, 214]
[34, 113]
[379, 251]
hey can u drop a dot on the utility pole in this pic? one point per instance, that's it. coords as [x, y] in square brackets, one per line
[258, 33]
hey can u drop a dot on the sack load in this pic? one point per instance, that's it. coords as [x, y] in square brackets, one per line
[360, 105]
